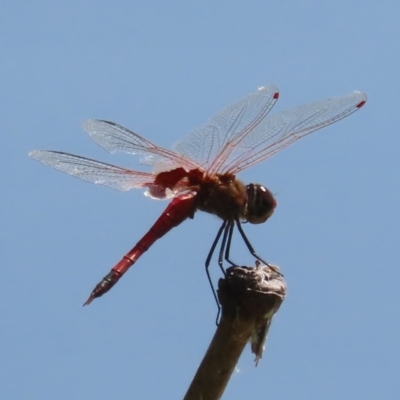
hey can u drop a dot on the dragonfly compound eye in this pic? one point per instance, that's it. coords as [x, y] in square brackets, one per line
[260, 203]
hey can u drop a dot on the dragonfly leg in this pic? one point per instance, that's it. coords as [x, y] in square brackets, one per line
[214, 245]
[228, 245]
[226, 238]
[248, 244]
[207, 264]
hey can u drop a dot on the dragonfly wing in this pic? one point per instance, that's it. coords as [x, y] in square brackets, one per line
[207, 145]
[94, 171]
[278, 131]
[115, 138]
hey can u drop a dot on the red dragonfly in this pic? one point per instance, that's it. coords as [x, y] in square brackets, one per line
[200, 173]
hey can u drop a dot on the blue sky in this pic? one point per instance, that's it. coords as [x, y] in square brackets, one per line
[162, 69]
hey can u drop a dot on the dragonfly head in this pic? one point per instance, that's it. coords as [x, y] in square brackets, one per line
[260, 203]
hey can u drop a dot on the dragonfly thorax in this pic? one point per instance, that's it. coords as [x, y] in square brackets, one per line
[260, 204]
[222, 195]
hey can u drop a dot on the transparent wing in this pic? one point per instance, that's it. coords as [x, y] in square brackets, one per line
[268, 135]
[116, 138]
[207, 145]
[94, 171]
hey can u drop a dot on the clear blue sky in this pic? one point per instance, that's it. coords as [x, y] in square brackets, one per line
[162, 69]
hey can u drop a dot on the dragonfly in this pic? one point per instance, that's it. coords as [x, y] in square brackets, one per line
[199, 174]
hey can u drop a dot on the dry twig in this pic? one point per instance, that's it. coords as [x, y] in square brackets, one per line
[249, 298]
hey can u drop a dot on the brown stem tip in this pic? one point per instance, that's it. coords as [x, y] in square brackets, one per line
[249, 297]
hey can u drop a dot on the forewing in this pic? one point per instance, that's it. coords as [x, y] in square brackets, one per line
[207, 145]
[115, 138]
[275, 132]
[94, 171]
